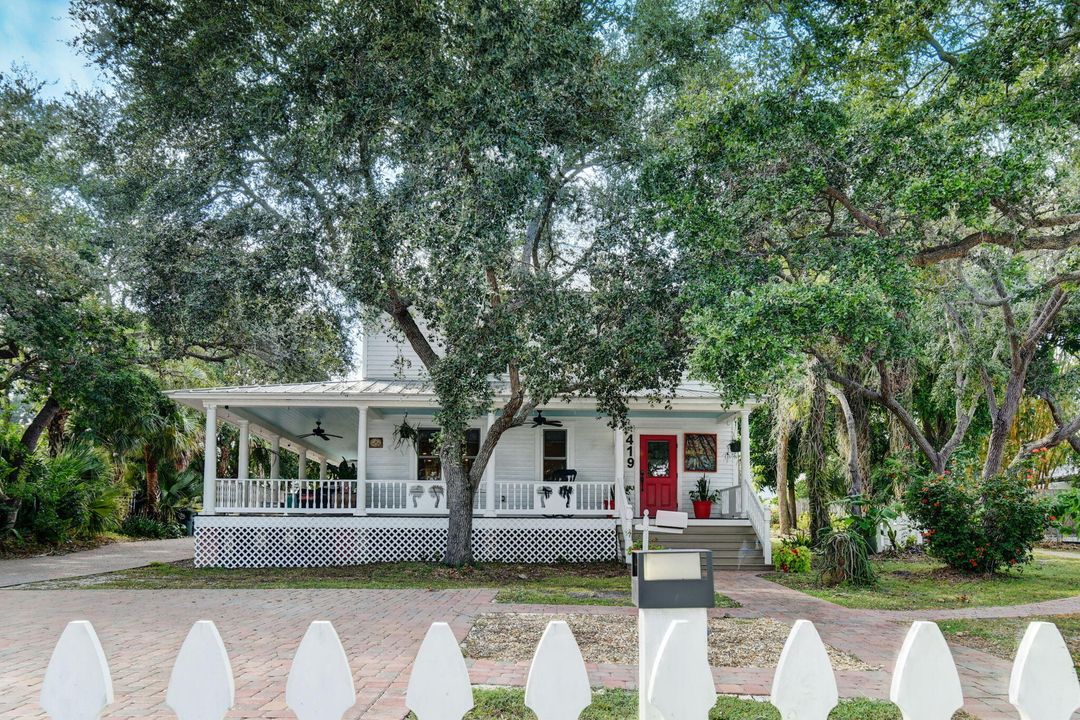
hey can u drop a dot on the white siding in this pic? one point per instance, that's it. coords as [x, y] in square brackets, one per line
[593, 449]
[388, 356]
[387, 462]
[515, 455]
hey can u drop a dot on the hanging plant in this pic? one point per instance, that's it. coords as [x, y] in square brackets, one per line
[406, 434]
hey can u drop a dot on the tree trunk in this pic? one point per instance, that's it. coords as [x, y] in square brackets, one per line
[855, 478]
[36, 429]
[56, 432]
[153, 488]
[792, 505]
[1002, 422]
[9, 507]
[783, 432]
[459, 504]
[813, 451]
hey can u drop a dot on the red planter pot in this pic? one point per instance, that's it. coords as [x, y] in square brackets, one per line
[702, 509]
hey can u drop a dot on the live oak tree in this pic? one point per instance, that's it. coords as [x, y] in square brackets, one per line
[61, 346]
[464, 168]
[890, 192]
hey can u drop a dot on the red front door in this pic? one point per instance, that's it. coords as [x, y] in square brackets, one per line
[659, 475]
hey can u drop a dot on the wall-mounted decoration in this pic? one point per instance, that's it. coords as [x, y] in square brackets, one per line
[699, 452]
[374, 442]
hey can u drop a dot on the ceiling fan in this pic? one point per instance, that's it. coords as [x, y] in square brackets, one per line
[541, 420]
[318, 432]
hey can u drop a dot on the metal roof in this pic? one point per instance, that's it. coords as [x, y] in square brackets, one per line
[420, 389]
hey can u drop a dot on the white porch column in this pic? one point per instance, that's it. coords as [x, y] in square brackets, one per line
[275, 457]
[322, 468]
[489, 473]
[243, 450]
[361, 461]
[744, 444]
[301, 469]
[210, 459]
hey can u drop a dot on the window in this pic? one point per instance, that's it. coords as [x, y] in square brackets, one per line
[472, 447]
[554, 452]
[428, 464]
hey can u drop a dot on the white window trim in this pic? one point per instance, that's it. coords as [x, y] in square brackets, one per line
[569, 428]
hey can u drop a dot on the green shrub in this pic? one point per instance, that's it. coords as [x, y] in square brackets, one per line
[141, 526]
[1064, 511]
[979, 527]
[791, 559]
[71, 495]
[844, 557]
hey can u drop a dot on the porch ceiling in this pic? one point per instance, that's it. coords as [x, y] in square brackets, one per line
[297, 421]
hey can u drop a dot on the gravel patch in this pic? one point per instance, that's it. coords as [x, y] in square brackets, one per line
[733, 642]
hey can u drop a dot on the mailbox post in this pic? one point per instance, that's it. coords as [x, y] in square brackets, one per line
[667, 586]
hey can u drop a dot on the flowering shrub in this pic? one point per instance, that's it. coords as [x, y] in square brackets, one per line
[791, 558]
[1064, 509]
[980, 528]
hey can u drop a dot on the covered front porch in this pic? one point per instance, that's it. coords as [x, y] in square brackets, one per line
[342, 485]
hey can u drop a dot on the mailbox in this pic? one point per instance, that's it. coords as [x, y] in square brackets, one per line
[673, 579]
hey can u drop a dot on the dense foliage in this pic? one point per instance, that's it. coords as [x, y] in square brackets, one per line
[978, 526]
[864, 213]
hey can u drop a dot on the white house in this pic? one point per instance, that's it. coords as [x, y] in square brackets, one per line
[553, 491]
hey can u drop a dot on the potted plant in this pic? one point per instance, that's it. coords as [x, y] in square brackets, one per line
[735, 446]
[702, 497]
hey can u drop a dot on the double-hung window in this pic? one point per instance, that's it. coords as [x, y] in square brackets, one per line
[428, 464]
[555, 448]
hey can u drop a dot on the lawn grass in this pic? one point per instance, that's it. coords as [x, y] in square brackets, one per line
[563, 583]
[919, 583]
[509, 704]
[1001, 636]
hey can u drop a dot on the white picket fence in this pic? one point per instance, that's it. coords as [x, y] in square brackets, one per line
[925, 683]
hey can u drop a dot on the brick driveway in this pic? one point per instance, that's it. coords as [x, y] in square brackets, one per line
[141, 632]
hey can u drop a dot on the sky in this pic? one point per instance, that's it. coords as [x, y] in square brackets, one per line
[37, 34]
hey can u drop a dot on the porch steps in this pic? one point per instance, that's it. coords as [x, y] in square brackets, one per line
[734, 547]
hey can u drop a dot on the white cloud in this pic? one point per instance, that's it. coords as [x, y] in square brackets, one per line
[37, 34]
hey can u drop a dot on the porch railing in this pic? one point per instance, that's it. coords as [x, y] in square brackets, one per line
[330, 497]
[513, 498]
[303, 497]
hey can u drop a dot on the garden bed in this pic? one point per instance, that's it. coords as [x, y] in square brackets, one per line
[917, 582]
[513, 637]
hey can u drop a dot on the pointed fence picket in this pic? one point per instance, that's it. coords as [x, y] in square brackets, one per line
[925, 683]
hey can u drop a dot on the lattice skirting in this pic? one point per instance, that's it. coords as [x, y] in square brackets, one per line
[261, 541]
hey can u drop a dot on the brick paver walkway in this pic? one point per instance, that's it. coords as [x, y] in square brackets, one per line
[108, 558]
[141, 631]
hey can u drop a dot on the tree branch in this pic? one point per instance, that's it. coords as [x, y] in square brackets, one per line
[862, 217]
[1013, 241]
